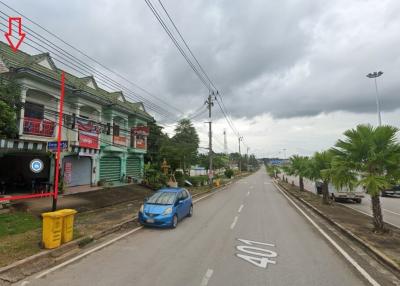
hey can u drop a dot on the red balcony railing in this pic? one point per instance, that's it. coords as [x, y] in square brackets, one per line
[40, 127]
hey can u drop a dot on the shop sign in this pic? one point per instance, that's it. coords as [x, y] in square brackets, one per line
[140, 142]
[67, 172]
[88, 140]
[140, 130]
[52, 146]
[120, 140]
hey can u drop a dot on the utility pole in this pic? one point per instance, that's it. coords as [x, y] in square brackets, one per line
[240, 155]
[210, 103]
[225, 143]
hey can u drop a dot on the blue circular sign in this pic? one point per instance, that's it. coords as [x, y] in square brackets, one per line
[36, 165]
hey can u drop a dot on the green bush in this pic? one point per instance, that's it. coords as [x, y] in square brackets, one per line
[198, 180]
[229, 173]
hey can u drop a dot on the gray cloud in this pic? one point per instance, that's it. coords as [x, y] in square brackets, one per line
[286, 58]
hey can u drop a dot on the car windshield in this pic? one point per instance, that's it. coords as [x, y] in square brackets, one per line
[162, 198]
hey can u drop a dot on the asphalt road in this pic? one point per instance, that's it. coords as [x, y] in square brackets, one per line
[390, 205]
[205, 249]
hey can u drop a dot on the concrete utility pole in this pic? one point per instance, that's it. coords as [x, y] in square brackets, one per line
[225, 143]
[210, 103]
[240, 155]
[374, 75]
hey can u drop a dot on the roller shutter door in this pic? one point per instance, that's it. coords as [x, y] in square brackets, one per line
[110, 169]
[81, 170]
[133, 168]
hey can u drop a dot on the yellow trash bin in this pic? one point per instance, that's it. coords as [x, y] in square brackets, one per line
[52, 227]
[67, 232]
[217, 182]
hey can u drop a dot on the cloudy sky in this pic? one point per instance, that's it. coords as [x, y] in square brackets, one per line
[291, 72]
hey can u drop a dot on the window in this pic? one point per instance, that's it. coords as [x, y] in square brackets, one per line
[184, 195]
[116, 130]
[33, 110]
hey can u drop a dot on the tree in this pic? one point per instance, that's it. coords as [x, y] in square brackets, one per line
[10, 105]
[186, 142]
[320, 168]
[154, 142]
[298, 167]
[371, 155]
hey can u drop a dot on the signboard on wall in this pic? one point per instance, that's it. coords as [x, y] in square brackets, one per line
[140, 130]
[52, 146]
[88, 133]
[120, 140]
[140, 142]
[67, 172]
[88, 140]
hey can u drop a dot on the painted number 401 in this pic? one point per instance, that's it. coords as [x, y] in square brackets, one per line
[256, 255]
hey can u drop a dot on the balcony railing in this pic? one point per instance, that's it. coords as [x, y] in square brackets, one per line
[39, 127]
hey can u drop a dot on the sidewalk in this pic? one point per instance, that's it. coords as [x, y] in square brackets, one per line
[85, 201]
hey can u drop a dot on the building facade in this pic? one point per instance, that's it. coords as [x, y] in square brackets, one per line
[104, 135]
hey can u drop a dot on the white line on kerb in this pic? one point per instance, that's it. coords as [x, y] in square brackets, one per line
[207, 277]
[240, 208]
[341, 250]
[234, 222]
[50, 270]
[248, 193]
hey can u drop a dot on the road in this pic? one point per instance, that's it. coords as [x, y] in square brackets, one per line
[390, 205]
[205, 249]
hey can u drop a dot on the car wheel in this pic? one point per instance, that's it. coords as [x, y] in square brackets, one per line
[174, 221]
[358, 201]
[383, 194]
[190, 211]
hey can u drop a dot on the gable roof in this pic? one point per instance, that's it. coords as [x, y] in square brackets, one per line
[16, 60]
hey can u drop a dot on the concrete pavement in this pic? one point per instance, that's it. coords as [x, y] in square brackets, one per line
[248, 234]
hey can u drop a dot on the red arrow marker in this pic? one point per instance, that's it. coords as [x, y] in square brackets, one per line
[20, 36]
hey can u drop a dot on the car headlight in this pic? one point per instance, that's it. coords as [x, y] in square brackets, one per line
[167, 211]
[141, 208]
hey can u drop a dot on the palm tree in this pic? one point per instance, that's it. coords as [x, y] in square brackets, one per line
[372, 156]
[320, 168]
[298, 167]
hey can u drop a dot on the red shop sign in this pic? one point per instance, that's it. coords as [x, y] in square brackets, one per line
[88, 140]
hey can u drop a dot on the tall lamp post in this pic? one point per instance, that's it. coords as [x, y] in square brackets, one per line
[374, 75]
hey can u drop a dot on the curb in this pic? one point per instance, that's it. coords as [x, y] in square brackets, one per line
[375, 252]
[20, 269]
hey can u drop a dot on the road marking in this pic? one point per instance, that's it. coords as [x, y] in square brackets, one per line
[234, 222]
[341, 250]
[256, 255]
[392, 212]
[248, 193]
[240, 208]
[368, 214]
[24, 283]
[207, 277]
[50, 270]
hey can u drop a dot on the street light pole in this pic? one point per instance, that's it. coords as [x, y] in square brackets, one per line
[374, 75]
[240, 155]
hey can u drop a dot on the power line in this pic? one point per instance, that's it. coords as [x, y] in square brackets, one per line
[86, 55]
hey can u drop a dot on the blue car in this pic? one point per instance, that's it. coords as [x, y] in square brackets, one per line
[166, 207]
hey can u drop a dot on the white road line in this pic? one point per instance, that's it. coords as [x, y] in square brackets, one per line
[240, 208]
[50, 270]
[392, 212]
[207, 277]
[234, 222]
[368, 214]
[24, 283]
[248, 193]
[341, 250]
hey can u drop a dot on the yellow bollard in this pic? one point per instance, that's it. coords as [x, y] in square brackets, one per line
[52, 227]
[67, 233]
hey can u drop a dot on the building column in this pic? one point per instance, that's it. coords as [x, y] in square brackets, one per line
[24, 91]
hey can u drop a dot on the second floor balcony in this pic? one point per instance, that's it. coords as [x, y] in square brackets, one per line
[39, 127]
